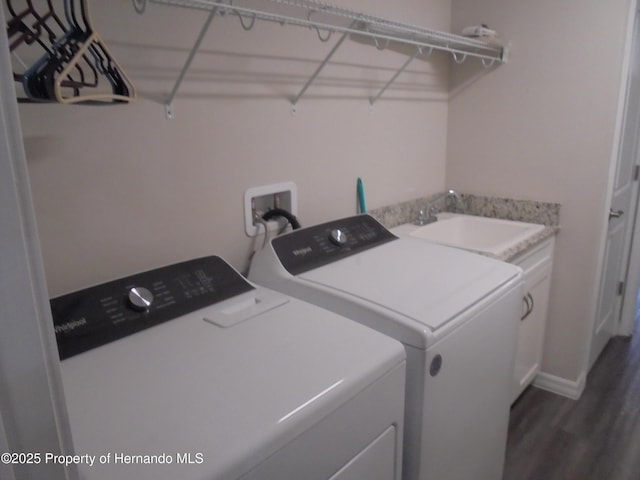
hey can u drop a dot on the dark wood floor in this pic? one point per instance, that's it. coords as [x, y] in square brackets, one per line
[594, 438]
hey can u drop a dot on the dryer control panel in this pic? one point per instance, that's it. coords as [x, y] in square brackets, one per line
[101, 314]
[313, 247]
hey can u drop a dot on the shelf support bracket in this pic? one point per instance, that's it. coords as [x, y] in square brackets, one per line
[294, 102]
[373, 100]
[192, 54]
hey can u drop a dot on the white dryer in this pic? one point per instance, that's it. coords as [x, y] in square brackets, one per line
[190, 372]
[456, 313]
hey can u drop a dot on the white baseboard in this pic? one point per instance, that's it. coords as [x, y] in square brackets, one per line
[561, 386]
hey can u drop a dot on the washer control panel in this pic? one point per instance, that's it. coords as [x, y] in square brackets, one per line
[98, 315]
[313, 247]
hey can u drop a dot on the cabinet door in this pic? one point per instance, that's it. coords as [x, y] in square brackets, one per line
[532, 326]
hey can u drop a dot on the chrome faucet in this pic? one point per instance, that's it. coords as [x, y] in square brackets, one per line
[428, 214]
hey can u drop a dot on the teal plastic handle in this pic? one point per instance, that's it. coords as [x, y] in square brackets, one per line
[361, 203]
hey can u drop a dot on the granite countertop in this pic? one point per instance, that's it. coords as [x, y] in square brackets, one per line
[542, 213]
[523, 246]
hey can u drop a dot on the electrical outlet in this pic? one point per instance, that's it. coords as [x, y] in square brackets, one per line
[259, 200]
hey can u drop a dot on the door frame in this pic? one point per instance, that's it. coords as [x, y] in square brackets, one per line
[34, 418]
[613, 168]
[626, 321]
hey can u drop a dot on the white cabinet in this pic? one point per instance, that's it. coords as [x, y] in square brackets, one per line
[537, 264]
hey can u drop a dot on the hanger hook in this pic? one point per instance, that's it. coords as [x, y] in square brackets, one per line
[488, 64]
[324, 39]
[140, 5]
[375, 41]
[329, 32]
[458, 59]
[251, 23]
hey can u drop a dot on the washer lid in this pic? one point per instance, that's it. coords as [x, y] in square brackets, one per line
[227, 388]
[424, 285]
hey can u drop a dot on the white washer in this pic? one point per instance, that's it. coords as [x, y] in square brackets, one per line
[456, 313]
[191, 372]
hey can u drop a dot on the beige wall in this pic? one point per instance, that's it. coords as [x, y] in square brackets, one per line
[118, 189]
[542, 127]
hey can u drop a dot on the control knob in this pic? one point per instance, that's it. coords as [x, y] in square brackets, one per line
[140, 298]
[337, 237]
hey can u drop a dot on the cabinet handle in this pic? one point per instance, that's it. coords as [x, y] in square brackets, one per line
[528, 301]
[526, 304]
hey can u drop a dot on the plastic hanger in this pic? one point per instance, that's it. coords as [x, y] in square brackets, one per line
[122, 87]
[30, 26]
[76, 65]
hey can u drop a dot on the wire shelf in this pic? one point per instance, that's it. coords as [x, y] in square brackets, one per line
[327, 19]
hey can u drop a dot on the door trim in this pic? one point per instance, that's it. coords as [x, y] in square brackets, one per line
[627, 322]
[614, 159]
[33, 419]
